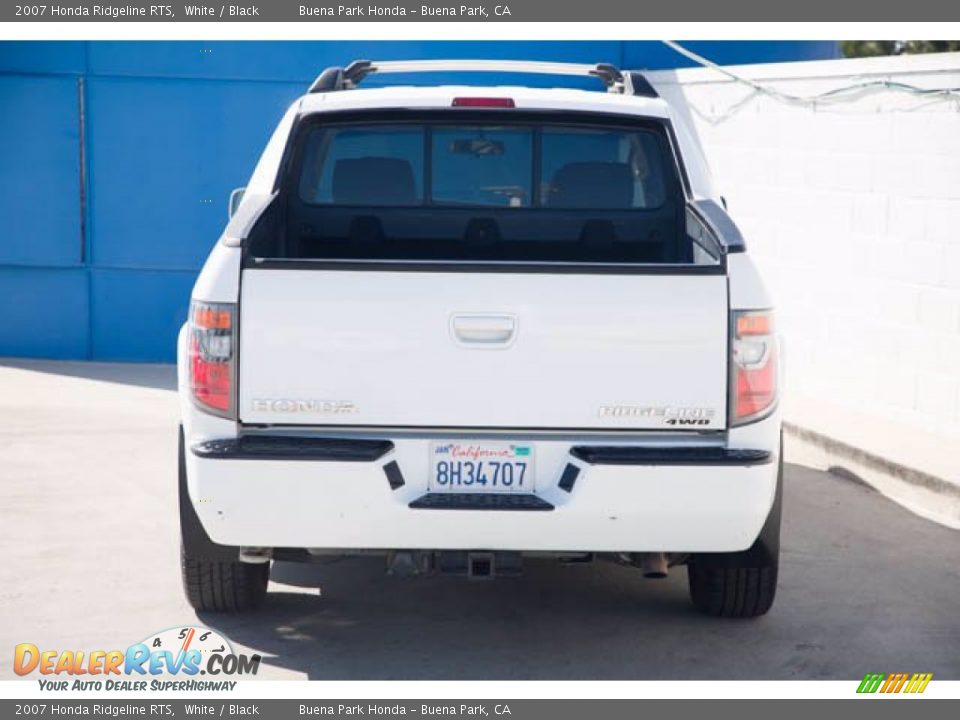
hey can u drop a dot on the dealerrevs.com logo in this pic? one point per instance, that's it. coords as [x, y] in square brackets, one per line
[183, 658]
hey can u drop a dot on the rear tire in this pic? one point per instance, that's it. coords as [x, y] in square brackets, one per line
[733, 592]
[223, 586]
[742, 584]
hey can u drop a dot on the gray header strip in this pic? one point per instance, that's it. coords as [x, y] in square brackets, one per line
[483, 11]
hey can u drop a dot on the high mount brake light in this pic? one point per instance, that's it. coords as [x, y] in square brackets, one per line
[211, 356]
[483, 102]
[753, 363]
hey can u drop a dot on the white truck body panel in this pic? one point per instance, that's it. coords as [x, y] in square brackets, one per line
[422, 349]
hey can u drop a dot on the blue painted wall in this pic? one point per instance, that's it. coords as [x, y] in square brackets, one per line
[162, 131]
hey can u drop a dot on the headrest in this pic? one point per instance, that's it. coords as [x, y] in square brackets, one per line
[585, 185]
[373, 181]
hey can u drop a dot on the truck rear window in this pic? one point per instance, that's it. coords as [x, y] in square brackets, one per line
[484, 191]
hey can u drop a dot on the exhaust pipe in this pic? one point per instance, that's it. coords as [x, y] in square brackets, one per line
[406, 563]
[653, 565]
[255, 555]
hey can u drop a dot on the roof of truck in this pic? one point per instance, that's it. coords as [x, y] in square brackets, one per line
[525, 98]
[339, 88]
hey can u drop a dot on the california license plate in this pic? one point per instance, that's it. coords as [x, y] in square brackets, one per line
[481, 467]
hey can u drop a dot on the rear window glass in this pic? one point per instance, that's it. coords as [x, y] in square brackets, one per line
[477, 165]
[484, 191]
[363, 166]
[613, 169]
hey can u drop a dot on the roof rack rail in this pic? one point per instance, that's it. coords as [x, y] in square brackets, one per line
[628, 82]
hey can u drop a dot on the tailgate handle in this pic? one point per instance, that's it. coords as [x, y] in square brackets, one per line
[483, 330]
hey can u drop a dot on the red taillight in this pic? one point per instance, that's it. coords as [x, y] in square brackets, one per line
[754, 366]
[483, 102]
[753, 324]
[211, 353]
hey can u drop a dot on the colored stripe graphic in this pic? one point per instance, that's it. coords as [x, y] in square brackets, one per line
[870, 683]
[918, 683]
[894, 683]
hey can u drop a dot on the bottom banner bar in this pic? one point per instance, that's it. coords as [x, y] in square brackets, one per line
[275, 709]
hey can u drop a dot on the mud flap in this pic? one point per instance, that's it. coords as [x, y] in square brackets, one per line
[765, 550]
[197, 545]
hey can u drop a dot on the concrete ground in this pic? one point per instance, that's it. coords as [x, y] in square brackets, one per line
[89, 530]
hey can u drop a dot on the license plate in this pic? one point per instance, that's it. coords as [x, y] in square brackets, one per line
[481, 467]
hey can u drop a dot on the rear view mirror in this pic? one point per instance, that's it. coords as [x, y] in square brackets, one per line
[236, 197]
[476, 146]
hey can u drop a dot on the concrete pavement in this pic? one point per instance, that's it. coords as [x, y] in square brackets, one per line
[89, 526]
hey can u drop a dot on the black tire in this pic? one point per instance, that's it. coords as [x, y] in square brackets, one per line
[223, 586]
[744, 584]
[732, 592]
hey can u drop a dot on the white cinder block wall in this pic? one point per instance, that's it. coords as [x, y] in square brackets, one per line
[852, 210]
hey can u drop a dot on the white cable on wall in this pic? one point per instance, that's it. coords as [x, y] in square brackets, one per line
[847, 93]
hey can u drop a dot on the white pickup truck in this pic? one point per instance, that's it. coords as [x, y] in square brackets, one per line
[460, 325]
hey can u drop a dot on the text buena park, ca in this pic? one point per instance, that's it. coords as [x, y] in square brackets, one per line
[425, 710]
[476, 11]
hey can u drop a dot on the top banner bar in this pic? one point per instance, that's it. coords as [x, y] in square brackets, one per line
[483, 11]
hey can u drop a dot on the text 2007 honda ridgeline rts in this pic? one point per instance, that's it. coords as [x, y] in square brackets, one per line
[461, 325]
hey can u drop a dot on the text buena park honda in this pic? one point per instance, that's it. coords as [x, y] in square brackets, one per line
[398, 709]
[474, 11]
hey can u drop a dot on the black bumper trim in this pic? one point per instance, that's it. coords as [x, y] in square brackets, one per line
[394, 476]
[279, 447]
[626, 455]
[474, 501]
[569, 477]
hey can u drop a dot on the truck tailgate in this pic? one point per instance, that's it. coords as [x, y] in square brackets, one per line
[483, 350]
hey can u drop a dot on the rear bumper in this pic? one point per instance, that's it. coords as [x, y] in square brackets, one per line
[600, 496]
